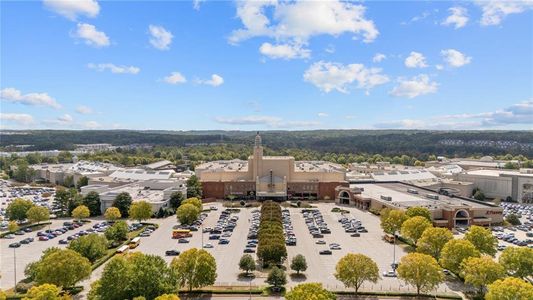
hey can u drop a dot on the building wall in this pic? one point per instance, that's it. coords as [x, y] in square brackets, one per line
[213, 189]
[327, 189]
[491, 186]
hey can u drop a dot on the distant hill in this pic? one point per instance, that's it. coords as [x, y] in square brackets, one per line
[386, 142]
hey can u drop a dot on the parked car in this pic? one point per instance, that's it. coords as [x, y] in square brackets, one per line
[325, 252]
[389, 273]
[14, 245]
[172, 253]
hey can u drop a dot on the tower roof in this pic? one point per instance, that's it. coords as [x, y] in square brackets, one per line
[258, 140]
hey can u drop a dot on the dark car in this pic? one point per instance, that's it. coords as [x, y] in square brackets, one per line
[172, 253]
[183, 241]
[25, 241]
[40, 233]
[318, 236]
[355, 235]
[63, 242]
[28, 229]
[14, 245]
[214, 237]
[223, 241]
[249, 250]
[325, 252]
[20, 232]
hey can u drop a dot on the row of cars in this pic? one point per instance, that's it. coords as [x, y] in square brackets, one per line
[49, 234]
[288, 230]
[353, 226]
[521, 210]
[252, 232]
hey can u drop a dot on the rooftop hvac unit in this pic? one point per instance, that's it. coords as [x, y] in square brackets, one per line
[386, 198]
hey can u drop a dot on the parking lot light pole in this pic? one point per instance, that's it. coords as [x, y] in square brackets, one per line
[15, 265]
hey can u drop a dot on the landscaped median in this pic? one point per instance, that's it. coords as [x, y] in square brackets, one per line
[33, 226]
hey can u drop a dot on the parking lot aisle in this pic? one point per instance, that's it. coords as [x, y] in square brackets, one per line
[28, 253]
[316, 264]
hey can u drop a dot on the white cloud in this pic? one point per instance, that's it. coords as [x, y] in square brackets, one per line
[196, 4]
[329, 76]
[495, 11]
[270, 121]
[455, 58]
[458, 17]
[291, 20]
[84, 110]
[66, 118]
[92, 125]
[520, 113]
[379, 57]
[439, 67]
[414, 87]
[322, 115]
[175, 78]
[216, 80]
[114, 68]
[284, 51]
[92, 36]
[160, 38]
[415, 60]
[22, 119]
[417, 18]
[34, 99]
[71, 9]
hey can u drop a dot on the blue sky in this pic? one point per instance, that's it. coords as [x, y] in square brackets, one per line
[180, 65]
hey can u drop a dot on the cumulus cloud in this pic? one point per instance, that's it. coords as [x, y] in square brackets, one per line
[455, 58]
[34, 99]
[329, 76]
[458, 17]
[66, 118]
[415, 60]
[21, 119]
[91, 35]
[216, 80]
[379, 57]
[414, 87]
[290, 20]
[493, 12]
[175, 78]
[160, 38]
[92, 125]
[284, 51]
[72, 9]
[114, 68]
[270, 121]
[520, 113]
[84, 110]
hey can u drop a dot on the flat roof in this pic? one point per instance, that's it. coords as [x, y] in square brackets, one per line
[138, 193]
[496, 173]
[402, 198]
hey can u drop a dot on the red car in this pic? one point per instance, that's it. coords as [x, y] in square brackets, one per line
[43, 238]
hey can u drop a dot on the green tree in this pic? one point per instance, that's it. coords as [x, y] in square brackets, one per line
[354, 269]
[68, 182]
[421, 271]
[187, 213]
[306, 291]
[63, 198]
[140, 210]
[113, 283]
[150, 276]
[18, 209]
[247, 263]
[510, 288]
[123, 202]
[299, 264]
[117, 232]
[91, 246]
[82, 181]
[513, 219]
[194, 201]
[63, 268]
[393, 220]
[81, 212]
[194, 187]
[517, 261]
[414, 211]
[92, 201]
[454, 252]
[276, 277]
[22, 172]
[195, 268]
[481, 271]
[44, 292]
[482, 239]
[175, 199]
[479, 196]
[112, 214]
[414, 227]
[432, 241]
[38, 214]
[12, 226]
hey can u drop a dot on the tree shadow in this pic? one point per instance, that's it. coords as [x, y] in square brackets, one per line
[298, 277]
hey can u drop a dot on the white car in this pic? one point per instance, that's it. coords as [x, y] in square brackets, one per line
[389, 273]
[208, 245]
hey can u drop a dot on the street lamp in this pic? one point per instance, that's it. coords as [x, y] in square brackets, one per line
[394, 265]
[15, 265]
